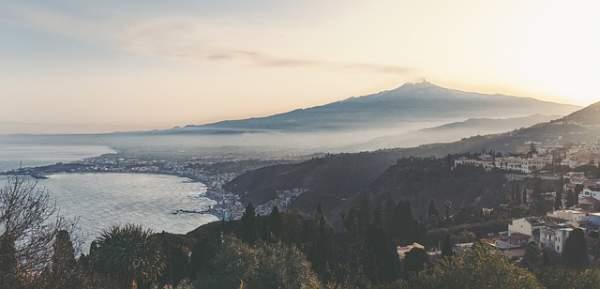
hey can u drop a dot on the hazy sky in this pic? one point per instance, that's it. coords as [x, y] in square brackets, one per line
[104, 65]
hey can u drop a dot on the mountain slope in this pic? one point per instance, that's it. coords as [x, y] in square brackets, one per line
[334, 180]
[408, 103]
[451, 132]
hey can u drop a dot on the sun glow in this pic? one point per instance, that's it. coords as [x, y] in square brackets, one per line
[561, 52]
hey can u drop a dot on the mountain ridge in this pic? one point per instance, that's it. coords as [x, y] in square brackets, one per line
[335, 180]
[408, 102]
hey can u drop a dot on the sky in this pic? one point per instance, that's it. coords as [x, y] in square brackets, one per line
[89, 66]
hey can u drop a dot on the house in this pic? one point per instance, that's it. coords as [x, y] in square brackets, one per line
[512, 246]
[403, 250]
[461, 248]
[576, 178]
[554, 237]
[589, 197]
[573, 217]
[529, 226]
[485, 161]
[549, 233]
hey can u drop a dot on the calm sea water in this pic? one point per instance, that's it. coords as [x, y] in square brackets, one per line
[98, 201]
[27, 155]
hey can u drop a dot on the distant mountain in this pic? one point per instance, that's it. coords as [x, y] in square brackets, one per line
[411, 102]
[452, 132]
[336, 180]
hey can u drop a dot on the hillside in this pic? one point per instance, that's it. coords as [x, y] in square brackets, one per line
[411, 102]
[452, 132]
[334, 180]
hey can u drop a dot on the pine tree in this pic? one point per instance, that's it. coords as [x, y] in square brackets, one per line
[381, 259]
[447, 247]
[407, 226]
[63, 267]
[275, 223]
[432, 212]
[249, 232]
[63, 259]
[575, 252]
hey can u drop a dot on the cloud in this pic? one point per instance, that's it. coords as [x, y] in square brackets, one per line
[181, 37]
[267, 60]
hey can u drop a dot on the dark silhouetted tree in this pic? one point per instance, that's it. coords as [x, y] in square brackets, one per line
[381, 261]
[63, 273]
[275, 223]
[249, 233]
[447, 247]
[575, 251]
[128, 255]
[8, 262]
[415, 260]
[432, 212]
[534, 258]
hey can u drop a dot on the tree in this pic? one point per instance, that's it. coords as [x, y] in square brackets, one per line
[561, 278]
[275, 223]
[575, 252]
[249, 232]
[380, 257]
[432, 212]
[534, 257]
[128, 255]
[264, 265]
[63, 268]
[29, 223]
[476, 269]
[8, 262]
[415, 260]
[406, 228]
[447, 247]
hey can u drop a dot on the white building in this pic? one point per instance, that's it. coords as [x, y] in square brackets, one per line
[526, 226]
[485, 161]
[524, 165]
[591, 191]
[554, 237]
[573, 217]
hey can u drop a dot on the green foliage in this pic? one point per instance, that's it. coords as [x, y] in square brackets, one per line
[534, 257]
[127, 255]
[478, 268]
[566, 278]
[274, 265]
[63, 273]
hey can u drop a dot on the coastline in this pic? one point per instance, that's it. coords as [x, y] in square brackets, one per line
[227, 205]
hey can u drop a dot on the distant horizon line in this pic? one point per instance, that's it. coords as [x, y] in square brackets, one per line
[159, 127]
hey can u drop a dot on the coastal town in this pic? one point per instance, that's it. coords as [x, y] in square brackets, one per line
[213, 173]
[571, 201]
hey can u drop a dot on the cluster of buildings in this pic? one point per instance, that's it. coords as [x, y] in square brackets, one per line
[525, 164]
[549, 233]
[536, 159]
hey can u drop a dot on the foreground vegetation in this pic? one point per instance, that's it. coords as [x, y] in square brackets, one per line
[281, 250]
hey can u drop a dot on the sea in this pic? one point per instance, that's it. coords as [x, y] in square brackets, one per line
[97, 201]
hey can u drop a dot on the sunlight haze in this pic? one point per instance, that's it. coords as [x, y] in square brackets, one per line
[108, 65]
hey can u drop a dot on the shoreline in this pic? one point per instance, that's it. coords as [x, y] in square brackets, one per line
[226, 205]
